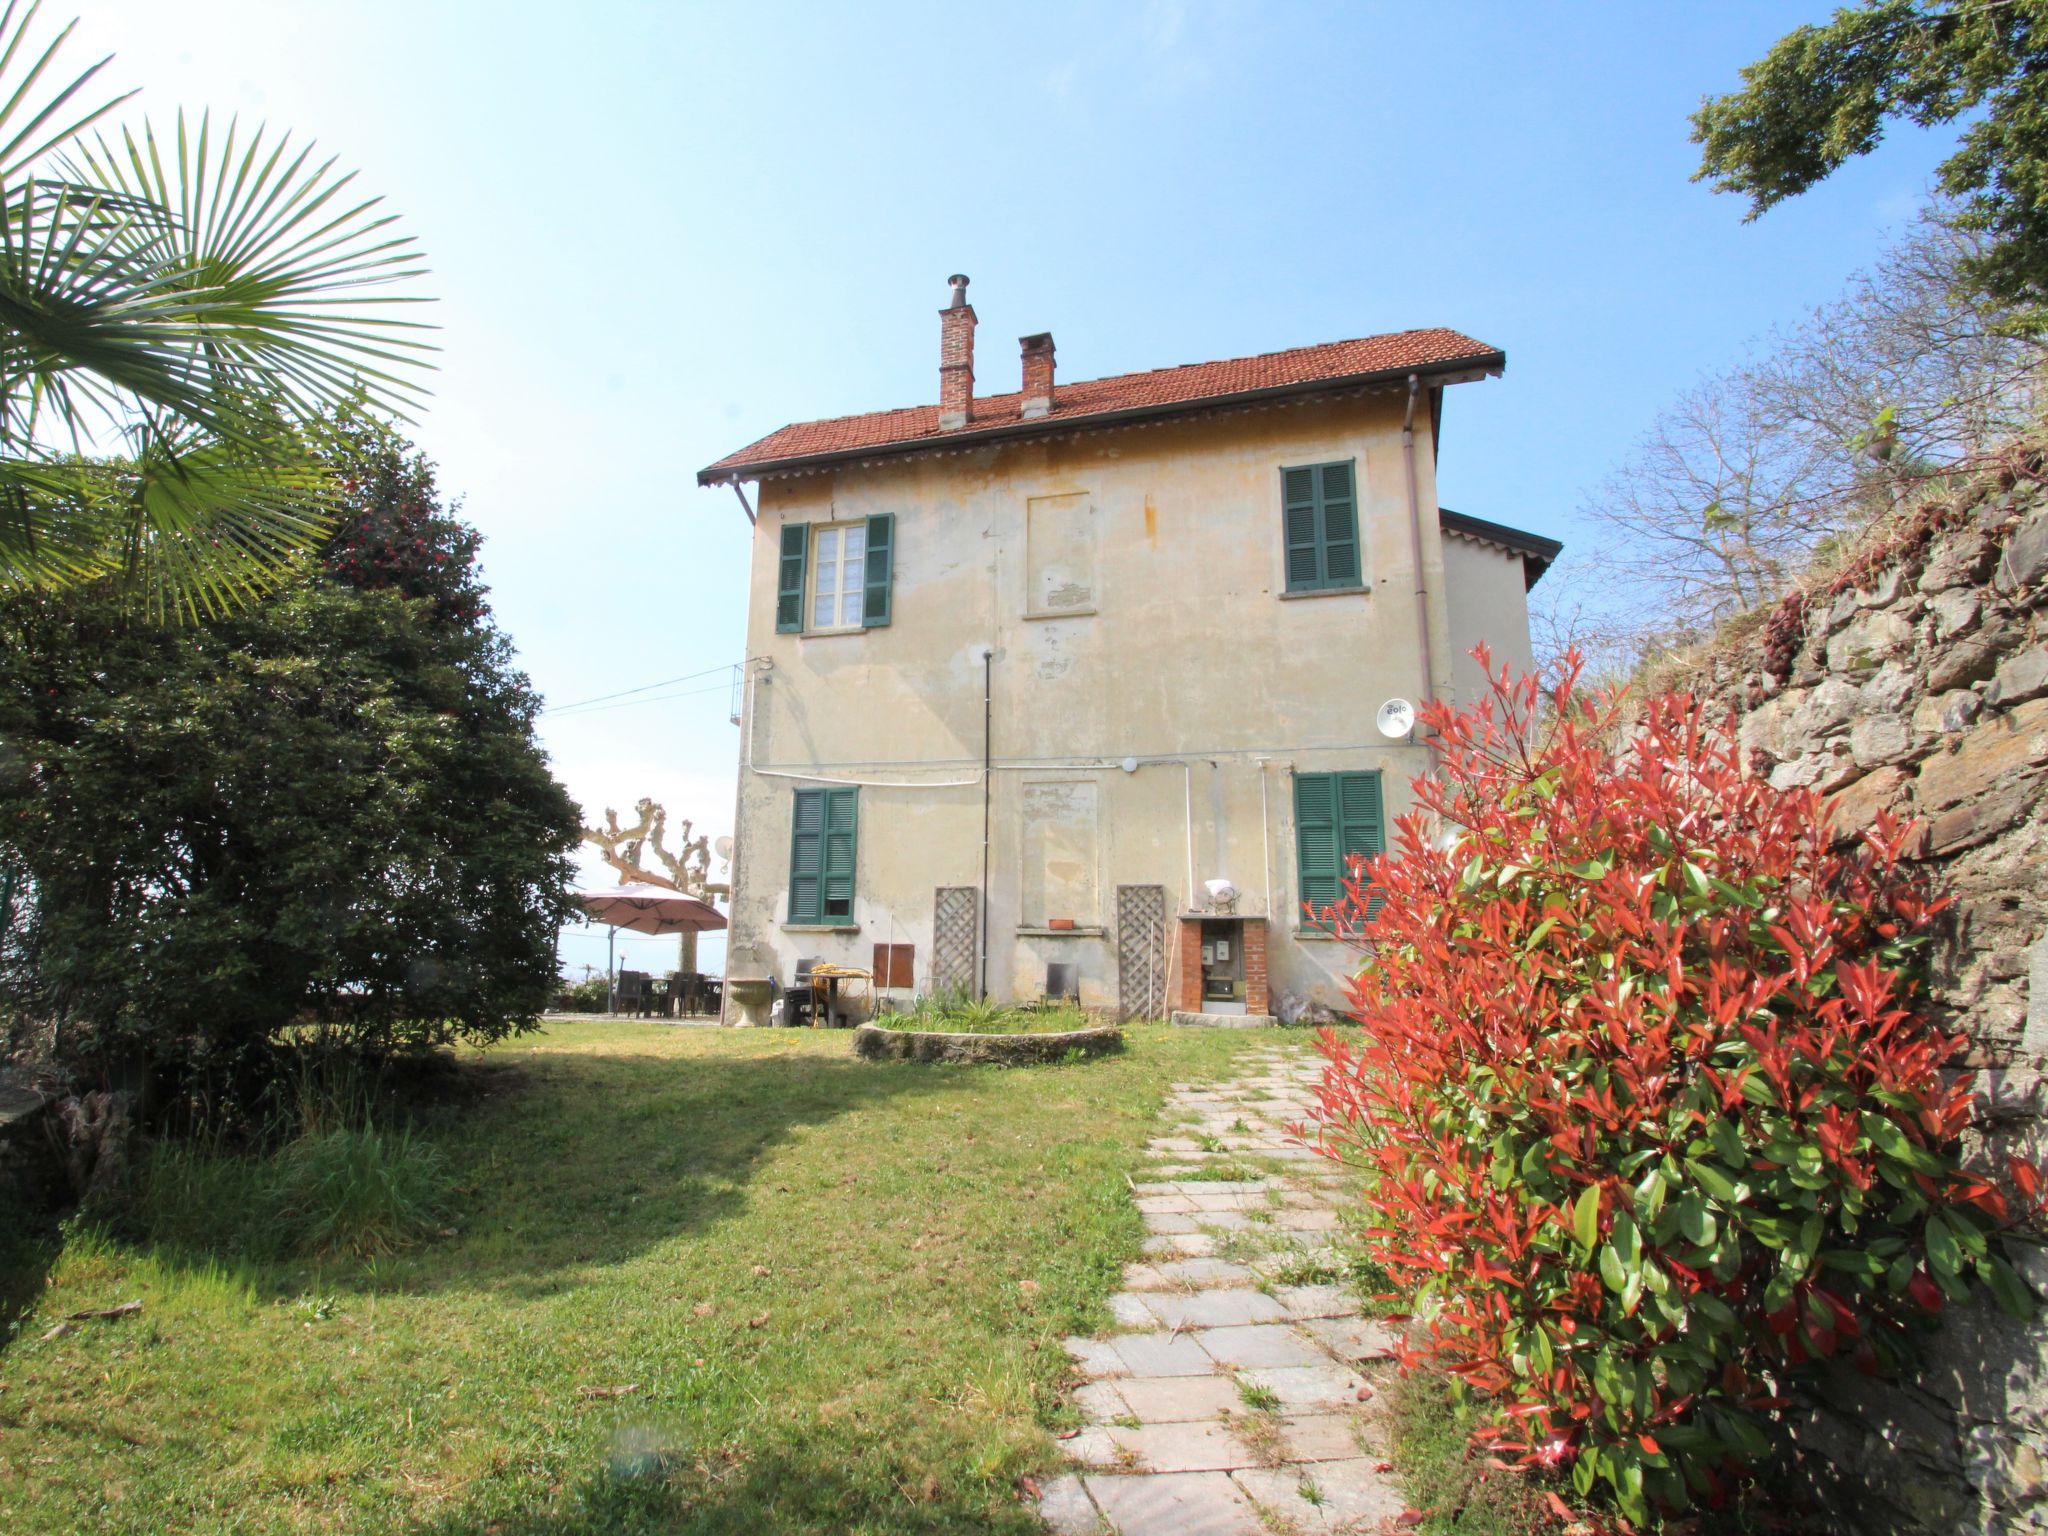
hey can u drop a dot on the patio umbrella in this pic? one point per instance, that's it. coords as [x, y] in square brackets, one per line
[645, 909]
[650, 909]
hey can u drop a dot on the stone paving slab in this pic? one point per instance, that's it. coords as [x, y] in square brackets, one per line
[1175, 1504]
[1349, 1496]
[1260, 1344]
[1185, 1446]
[1067, 1509]
[1213, 1309]
[1171, 1399]
[1162, 1354]
[1299, 1386]
[1173, 1444]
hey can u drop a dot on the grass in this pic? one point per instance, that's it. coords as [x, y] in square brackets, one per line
[1457, 1493]
[700, 1281]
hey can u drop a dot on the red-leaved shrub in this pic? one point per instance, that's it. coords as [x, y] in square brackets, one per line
[1653, 1109]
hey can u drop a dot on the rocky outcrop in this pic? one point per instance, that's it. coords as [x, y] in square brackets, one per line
[1916, 682]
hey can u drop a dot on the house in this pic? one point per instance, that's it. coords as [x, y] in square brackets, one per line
[1079, 687]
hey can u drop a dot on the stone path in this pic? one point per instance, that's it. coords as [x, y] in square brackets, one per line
[1232, 1402]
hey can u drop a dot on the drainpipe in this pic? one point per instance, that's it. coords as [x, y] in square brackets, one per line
[988, 663]
[1188, 814]
[1266, 844]
[1415, 549]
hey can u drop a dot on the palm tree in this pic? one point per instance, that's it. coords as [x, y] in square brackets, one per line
[175, 317]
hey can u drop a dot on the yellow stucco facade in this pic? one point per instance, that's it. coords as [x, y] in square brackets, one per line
[1151, 687]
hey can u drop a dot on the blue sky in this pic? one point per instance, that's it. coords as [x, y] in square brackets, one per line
[658, 231]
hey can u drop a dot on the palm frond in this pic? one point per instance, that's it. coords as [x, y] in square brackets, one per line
[286, 282]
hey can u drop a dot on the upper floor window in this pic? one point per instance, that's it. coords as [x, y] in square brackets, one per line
[1320, 515]
[834, 577]
[838, 575]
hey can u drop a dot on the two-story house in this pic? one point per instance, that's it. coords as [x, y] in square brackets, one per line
[1091, 675]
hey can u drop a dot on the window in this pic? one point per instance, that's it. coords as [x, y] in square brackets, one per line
[1320, 514]
[822, 828]
[834, 577]
[1336, 815]
[838, 576]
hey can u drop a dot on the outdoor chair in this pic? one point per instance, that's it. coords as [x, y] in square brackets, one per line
[800, 1002]
[630, 992]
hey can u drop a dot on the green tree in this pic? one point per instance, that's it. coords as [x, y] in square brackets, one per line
[329, 806]
[1823, 95]
[174, 317]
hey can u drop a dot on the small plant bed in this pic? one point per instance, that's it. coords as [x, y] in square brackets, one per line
[956, 1029]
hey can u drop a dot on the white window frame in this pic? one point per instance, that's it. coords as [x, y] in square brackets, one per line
[842, 595]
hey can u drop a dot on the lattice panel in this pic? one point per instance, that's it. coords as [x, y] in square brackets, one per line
[1141, 952]
[954, 931]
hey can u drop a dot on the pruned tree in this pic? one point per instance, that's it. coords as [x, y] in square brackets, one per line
[622, 847]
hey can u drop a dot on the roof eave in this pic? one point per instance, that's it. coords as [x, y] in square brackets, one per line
[1457, 371]
[1537, 551]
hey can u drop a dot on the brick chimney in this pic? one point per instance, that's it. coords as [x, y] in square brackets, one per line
[956, 358]
[1037, 375]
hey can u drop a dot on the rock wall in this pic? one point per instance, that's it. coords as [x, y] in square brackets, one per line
[1916, 681]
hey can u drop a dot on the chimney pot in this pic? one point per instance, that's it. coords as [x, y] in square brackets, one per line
[956, 358]
[1037, 375]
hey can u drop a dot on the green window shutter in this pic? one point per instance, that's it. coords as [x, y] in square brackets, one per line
[842, 812]
[874, 608]
[1336, 815]
[1321, 521]
[789, 584]
[1304, 558]
[1339, 527]
[1319, 872]
[807, 856]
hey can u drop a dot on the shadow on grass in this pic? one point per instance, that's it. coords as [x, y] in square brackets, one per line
[29, 1244]
[566, 1159]
[787, 1493]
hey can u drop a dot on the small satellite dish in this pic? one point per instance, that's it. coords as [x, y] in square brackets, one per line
[724, 849]
[1396, 719]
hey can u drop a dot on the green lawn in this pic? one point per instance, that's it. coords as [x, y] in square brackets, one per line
[836, 1288]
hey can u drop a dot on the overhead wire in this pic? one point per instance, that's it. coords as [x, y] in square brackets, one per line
[667, 682]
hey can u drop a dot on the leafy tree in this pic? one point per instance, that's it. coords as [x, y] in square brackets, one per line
[174, 317]
[326, 807]
[1821, 428]
[1823, 95]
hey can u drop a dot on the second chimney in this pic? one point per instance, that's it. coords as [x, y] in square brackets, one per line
[956, 358]
[1037, 375]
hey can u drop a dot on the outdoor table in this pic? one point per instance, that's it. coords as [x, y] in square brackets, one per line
[828, 982]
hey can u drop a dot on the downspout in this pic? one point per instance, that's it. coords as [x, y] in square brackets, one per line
[1266, 840]
[1188, 813]
[988, 663]
[1415, 550]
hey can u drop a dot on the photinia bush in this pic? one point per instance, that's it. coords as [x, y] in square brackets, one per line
[1654, 1112]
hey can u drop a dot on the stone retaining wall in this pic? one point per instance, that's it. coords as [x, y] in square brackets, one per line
[878, 1044]
[1917, 682]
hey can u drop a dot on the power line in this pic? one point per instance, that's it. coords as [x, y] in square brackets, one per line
[643, 688]
[664, 698]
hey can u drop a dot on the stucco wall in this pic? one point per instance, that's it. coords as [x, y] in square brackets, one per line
[1192, 662]
[1916, 684]
[1489, 601]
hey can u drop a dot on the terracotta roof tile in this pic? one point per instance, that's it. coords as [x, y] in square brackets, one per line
[1075, 404]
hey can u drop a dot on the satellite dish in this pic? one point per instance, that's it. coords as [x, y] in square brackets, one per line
[724, 849]
[1396, 719]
